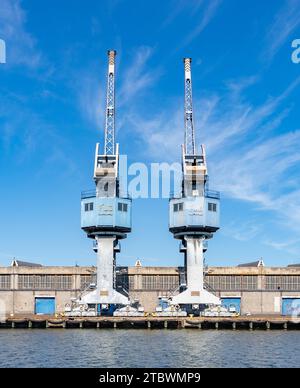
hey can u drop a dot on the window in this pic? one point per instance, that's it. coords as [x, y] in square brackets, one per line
[45, 282]
[178, 207]
[160, 282]
[4, 282]
[283, 282]
[232, 282]
[122, 207]
[212, 207]
[89, 207]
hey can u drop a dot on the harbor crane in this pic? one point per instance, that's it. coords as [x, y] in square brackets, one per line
[194, 213]
[106, 217]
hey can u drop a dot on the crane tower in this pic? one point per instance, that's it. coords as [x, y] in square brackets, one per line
[105, 211]
[194, 213]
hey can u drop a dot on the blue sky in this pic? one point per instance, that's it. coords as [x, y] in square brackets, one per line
[246, 101]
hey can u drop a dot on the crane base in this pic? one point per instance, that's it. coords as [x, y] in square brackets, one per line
[198, 297]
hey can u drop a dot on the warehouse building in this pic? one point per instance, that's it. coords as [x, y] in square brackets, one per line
[28, 288]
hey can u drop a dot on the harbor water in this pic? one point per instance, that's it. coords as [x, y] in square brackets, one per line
[106, 348]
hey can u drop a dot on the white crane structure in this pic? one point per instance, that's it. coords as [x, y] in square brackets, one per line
[106, 216]
[194, 213]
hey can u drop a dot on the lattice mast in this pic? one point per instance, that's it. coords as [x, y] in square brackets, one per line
[109, 147]
[190, 144]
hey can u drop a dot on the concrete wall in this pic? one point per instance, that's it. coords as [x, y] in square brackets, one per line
[23, 302]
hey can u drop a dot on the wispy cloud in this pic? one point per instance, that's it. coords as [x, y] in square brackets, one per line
[134, 80]
[207, 13]
[284, 24]
[91, 97]
[250, 153]
[26, 134]
[21, 45]
[252, 164]
[289, 246]
[180, 6]
[138, 76]
[242, 232]
[199, 13]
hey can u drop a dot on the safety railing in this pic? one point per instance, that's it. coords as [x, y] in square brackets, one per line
[93, 194]
[207, 194]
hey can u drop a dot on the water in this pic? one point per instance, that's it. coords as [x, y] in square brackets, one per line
[146, 348]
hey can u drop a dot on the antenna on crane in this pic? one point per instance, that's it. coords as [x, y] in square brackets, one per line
[190, 145]
[109, 147]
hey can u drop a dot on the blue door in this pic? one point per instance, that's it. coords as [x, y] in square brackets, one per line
[45, 306]
[291, 306]
[232, 302]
